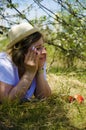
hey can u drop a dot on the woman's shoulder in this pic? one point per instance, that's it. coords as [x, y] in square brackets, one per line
[3, 58]
[8, 71]
[3, 54]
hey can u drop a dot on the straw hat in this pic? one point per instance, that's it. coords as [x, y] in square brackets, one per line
[19, 32]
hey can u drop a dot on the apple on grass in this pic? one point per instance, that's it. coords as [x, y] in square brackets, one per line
[79, 98]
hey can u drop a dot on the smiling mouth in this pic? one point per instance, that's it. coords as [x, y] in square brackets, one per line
[42, 58]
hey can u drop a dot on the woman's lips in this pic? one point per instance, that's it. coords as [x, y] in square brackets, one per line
[43, 58]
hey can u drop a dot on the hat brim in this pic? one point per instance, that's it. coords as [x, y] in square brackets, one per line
[21, 37]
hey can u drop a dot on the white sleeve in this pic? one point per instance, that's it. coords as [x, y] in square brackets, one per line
[6, 74]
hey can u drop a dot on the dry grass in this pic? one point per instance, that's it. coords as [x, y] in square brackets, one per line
[66, 84]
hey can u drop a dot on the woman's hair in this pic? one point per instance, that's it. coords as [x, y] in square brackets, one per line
[19, 50]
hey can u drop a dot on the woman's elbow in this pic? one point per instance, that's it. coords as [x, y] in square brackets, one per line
[48, 93]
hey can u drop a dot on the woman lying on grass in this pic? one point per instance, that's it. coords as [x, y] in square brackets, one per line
[23, 65]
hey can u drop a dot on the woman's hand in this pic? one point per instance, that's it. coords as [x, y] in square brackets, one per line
[42, 58]
[31, 60]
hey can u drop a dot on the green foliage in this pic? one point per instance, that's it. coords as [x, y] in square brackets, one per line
[11, 5]
[69, 38]
[38, 22]
[3, 44]
[65, 29]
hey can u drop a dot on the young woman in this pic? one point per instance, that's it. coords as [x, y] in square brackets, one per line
[23, 65]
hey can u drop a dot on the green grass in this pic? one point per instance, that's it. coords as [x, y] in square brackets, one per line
[54, 113]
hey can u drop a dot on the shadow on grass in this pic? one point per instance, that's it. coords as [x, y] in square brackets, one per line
[49, 114]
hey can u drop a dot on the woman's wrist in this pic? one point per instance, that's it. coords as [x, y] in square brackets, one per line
[30, 74]
[40, 71]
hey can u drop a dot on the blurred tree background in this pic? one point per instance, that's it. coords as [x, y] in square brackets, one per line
[63, 25]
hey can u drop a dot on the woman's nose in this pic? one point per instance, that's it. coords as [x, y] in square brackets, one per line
[43, 51]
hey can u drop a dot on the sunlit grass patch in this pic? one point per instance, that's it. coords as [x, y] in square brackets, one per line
[67, 84]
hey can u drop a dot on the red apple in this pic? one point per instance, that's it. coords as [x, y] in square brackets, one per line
[79, 98]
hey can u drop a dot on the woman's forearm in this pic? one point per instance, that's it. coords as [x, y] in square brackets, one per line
[20, 89]
[42, 89]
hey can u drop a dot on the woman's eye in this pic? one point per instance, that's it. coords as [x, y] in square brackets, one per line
[38, 49]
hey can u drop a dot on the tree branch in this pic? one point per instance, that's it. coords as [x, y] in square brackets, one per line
[22, 15]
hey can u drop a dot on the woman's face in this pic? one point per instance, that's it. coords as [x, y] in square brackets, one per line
[39, 45]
